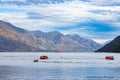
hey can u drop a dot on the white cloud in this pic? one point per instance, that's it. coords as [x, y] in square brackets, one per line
[67, 14]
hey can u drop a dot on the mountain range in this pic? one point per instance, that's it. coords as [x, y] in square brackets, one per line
[113, 46]
[16, 39]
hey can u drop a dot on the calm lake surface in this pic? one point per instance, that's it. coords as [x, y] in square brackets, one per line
[71, 66]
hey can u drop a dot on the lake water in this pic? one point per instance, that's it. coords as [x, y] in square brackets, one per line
[72, 66]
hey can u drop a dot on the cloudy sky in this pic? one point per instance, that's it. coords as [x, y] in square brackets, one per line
[95, 19]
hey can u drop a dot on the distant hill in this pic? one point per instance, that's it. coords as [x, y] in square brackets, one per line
[88, 43]
[113, 46]
[13, 38]
[16, 36]
[72, 43]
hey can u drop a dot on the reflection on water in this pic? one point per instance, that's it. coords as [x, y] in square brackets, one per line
[58, 73]
[17, 66]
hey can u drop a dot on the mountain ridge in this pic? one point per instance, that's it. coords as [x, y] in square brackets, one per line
[46, 41]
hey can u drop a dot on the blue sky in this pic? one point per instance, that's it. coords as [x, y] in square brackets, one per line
[95, 19]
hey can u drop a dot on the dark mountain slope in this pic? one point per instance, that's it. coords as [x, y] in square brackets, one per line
[113, 46]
